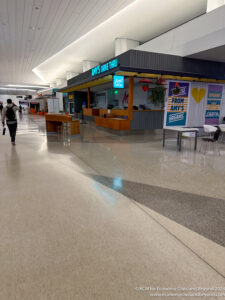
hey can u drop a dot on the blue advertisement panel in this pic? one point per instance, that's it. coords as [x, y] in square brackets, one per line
[118, 82]
[177, 103]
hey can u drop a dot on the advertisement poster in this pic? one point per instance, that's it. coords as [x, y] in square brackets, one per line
[177, 103]
[197, 104]
[214, 98]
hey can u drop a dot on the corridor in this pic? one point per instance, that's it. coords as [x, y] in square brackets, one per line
[104, 216]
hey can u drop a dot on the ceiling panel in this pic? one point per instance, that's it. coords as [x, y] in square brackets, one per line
[142, 20]
[33, 30]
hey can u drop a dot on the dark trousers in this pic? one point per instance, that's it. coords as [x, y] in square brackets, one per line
[12, 130]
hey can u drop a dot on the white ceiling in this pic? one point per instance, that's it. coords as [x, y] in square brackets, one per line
[33, 30]
[142, 21]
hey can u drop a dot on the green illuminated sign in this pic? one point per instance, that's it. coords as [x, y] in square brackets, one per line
[104, 68]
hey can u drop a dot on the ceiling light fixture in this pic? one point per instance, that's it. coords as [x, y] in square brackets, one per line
[28, 86]
[40, 75]
[14, 89]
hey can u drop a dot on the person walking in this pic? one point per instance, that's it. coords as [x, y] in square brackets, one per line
[1, 108]
[9, 114]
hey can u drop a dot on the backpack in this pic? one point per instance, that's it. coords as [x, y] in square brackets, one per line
[10, 114]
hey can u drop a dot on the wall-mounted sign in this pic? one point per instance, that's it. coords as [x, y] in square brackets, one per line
[118, 82]
[104, 68]
[212, 113]
[176, 112]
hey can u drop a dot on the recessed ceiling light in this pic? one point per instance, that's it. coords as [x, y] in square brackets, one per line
[16, 89]
[28, 86]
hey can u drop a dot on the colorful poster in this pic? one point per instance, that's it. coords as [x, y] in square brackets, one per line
[197, 104]
[214, 98]
[178, 94]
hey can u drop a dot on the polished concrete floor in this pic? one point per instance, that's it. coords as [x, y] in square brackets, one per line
[103, 216]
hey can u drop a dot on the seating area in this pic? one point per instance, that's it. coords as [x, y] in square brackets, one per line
[211, 140]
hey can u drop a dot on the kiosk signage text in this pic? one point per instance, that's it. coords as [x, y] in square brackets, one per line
[104, 68]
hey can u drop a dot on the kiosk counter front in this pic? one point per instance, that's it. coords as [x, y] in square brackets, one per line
[55, 120]
[119, 119]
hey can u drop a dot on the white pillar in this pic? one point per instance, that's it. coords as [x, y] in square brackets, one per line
[53, 85]
[88, 64]
[61, 82]
[70, 75]
[123, 45]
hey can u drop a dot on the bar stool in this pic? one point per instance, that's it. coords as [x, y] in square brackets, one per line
[59, 130]
[66, 129]
[63, 131]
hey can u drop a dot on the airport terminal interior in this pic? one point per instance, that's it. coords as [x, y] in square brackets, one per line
[112, 149]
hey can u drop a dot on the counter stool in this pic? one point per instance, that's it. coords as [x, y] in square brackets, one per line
[66, 129]
[63, 130]
[59, 130]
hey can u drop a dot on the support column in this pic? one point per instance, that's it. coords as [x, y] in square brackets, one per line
[88, 64]
[89, 97]
[131, 97]
[70, 74]
[53, 85]
[122, 45]
[61, 82]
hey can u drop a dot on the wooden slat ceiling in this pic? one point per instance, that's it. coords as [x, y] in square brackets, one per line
[33, 30]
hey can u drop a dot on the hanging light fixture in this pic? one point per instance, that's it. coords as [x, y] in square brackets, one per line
[145, 80]
[161, 81]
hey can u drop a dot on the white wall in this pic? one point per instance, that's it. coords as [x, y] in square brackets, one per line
[200, 34]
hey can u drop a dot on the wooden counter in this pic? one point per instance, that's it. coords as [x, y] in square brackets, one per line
[113, 123]
[116, 112]
[55, 120]
[91, 111]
